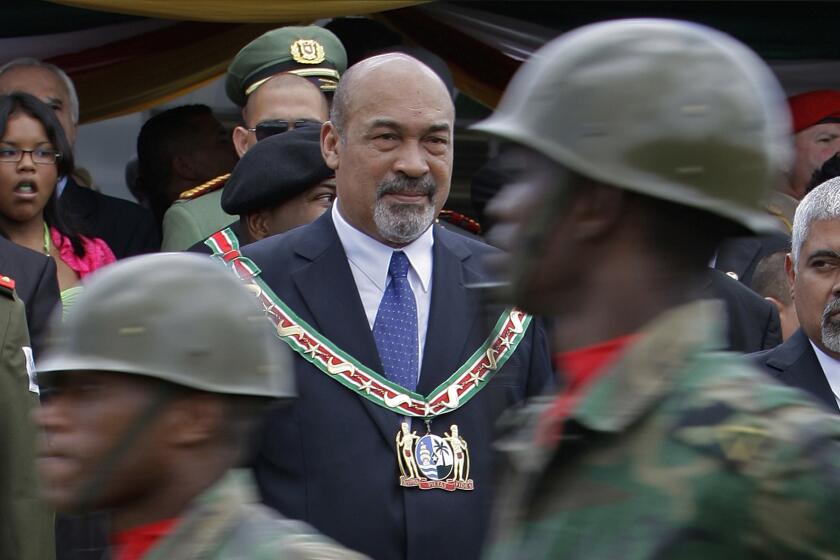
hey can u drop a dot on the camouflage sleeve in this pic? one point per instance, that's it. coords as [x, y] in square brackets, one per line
[776, 488]
[799, 492]
[294, 540]
[310, 546]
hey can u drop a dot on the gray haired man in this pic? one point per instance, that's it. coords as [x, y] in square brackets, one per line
[810, 359]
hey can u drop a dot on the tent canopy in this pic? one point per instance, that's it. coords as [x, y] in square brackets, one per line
[129, 55]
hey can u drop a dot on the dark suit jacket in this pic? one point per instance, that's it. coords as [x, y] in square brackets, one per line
[36, 284]
[753, 322]
[330, 458]
[795, 363]
[742, 254]
[127, 228]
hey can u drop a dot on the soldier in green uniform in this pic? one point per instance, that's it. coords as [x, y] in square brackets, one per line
[310, 61]
[149, 398]
[644, 142]
[26, 525]
[281, 184]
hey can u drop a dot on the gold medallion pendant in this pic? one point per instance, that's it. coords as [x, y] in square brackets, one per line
[432, 461]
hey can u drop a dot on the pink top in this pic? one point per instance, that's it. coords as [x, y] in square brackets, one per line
[97, 253]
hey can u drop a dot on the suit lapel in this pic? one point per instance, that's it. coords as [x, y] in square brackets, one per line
[329, 292]
[798, 366]
[452, 313]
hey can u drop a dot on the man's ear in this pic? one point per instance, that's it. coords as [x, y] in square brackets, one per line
[257, 223]
[330, 142]
[596, 211]
[71, 134]
[196, 418]
[240, 140]
[778, 304]
[790, 272]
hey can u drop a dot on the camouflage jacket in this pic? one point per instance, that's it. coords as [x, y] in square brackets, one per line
[226, 522]
[678, 451]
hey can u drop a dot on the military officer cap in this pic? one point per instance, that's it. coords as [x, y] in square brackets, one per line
[177, 317]
[311, 52]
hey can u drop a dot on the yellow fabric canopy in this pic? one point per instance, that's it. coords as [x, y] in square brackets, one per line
[241, 11]
[150, 80]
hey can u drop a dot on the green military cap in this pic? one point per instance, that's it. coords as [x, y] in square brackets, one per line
[311, 52]
[669, 109]
[177, 317]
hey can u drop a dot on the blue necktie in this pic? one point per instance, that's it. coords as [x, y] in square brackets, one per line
[395, 328]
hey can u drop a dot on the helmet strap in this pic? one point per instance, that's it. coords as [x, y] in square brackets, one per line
[165, 394]
[536, 232]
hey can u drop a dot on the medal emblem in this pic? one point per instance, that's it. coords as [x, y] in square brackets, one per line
[432, 461]
[307, 51]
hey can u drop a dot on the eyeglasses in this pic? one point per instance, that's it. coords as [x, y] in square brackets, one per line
[41, 156]
[273, 127]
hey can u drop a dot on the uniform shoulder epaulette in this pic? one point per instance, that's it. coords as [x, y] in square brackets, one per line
[7, 285]
[204, 188]
[775, 211]
[460, 220]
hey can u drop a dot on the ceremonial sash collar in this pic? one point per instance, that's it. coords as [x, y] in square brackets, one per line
[314, 347]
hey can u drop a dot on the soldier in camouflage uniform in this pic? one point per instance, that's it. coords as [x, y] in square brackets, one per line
[151, 387]
[644, 143]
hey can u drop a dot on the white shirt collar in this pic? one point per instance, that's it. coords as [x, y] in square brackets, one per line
[831, 369]
[373, 257]
[61, 184]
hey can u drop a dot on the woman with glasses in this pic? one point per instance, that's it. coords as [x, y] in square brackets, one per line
[33, 153]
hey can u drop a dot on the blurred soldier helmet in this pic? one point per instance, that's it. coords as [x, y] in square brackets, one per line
[175, 317]
[668, 109]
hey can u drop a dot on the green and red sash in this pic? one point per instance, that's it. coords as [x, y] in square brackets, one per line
[453, 393]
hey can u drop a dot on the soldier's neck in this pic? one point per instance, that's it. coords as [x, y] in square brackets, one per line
[609, 304]
[170, 498]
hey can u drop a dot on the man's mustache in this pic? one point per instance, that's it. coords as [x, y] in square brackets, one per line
[832, 308]
[407, 185]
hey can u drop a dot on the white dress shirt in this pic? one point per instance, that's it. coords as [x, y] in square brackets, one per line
[369, 261]
[831, 369]
[61, 184]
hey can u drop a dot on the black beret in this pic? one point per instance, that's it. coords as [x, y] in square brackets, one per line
[275, 170]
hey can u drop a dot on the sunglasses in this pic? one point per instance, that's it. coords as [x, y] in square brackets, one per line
[270, 128]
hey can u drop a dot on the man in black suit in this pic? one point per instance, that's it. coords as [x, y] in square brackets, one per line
[36, 284]
[127, 228]
[810, 359]
[387, 329]
[738, 257]
[752, 322]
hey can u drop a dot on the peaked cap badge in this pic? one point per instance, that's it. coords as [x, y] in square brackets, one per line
[307, 51]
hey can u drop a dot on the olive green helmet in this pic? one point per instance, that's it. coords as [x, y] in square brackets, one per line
[668, 109]
[177, 317]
